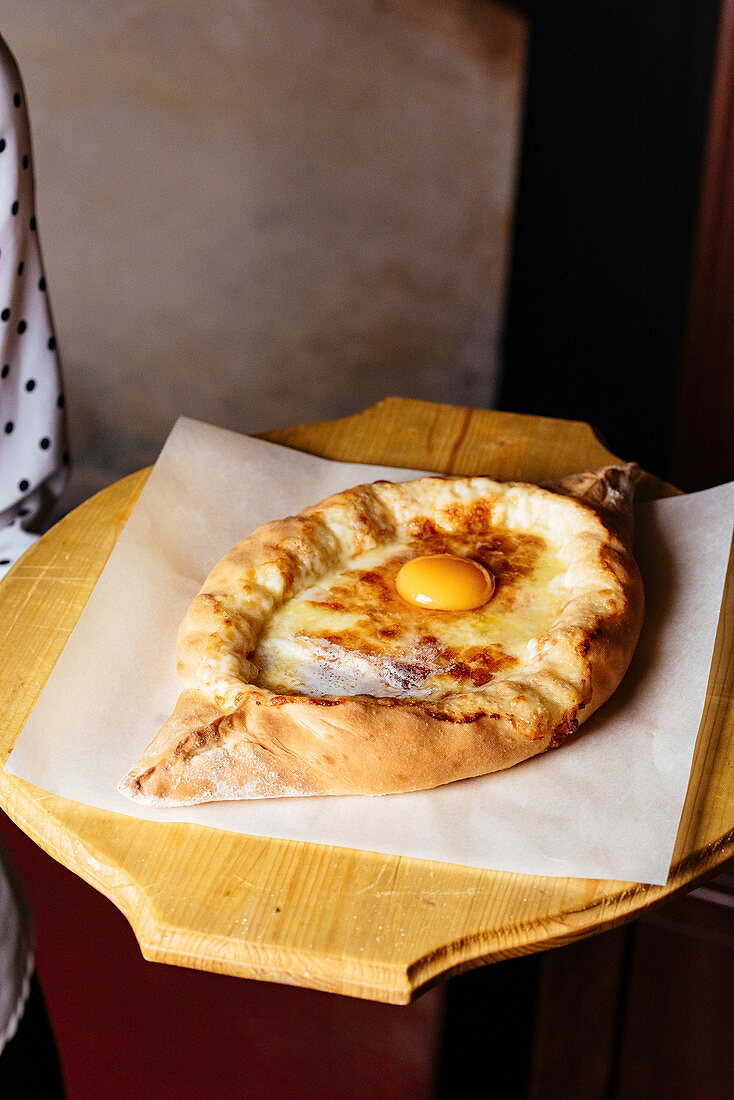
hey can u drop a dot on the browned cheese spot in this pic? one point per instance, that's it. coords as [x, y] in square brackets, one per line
[408, 636]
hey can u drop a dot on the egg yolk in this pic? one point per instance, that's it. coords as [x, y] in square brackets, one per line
[444, 582]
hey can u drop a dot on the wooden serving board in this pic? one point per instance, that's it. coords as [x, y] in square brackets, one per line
[375, 926]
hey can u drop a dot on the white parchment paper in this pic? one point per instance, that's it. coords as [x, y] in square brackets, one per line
[605, 806]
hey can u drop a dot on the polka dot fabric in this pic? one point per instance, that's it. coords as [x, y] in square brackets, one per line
[32, 441]
[33, 455]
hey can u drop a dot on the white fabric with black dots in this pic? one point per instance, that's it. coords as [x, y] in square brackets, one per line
[32, 438]
[33, 457]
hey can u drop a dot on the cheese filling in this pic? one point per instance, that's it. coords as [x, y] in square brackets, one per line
[352, 634]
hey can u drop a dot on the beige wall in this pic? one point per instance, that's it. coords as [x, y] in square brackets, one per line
[257, 212]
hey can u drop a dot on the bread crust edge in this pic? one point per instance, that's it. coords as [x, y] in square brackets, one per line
[291, 745]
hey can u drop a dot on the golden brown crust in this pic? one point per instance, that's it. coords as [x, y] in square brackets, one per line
[230, 738]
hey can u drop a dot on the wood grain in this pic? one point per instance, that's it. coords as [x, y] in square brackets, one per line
[355, 923]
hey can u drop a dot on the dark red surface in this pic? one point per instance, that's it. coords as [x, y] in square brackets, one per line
[129, 1028]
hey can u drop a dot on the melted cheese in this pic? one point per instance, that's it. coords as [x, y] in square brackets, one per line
[352, 634]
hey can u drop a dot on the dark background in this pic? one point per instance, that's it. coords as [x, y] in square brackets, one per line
[615, 127]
